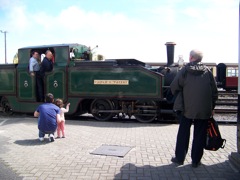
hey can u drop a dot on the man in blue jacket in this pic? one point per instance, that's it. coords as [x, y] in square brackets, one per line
[48, 115]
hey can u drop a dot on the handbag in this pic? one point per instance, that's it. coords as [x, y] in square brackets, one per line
[214, 139]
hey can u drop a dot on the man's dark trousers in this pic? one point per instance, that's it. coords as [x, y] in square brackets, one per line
[199, 139]
[39, 87]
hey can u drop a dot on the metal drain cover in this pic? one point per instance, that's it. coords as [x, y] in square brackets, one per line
[112, 150]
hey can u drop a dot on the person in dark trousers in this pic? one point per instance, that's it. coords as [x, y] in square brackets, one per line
[46, 66]
[198, 94]
[34, 67]
[48, 116]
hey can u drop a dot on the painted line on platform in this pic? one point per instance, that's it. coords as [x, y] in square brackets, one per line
[3, 122]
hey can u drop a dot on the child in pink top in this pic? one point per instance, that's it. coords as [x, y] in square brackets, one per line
[61, 125]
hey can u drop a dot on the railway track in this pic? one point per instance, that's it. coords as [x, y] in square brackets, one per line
[225, 111]
[227, 102]
[227, 94]
[230, 101]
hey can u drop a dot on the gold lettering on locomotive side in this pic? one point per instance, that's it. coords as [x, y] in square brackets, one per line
[111, 82]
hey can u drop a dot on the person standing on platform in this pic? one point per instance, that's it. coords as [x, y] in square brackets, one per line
[199, 94]
[61, 125]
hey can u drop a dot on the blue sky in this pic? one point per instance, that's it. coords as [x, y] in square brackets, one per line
[125, 28]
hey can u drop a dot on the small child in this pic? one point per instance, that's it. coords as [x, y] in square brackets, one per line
[61, 125]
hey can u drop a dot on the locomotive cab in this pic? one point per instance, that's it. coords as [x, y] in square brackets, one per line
[26, 84]
[19, 94]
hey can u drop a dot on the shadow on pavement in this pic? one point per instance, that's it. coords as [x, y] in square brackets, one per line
[32, 142]
[7, 173]
[172, 171]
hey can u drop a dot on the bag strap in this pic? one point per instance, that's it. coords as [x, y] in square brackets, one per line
[224, 143]
[210, 74]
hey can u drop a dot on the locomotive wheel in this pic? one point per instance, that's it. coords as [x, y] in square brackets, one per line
[7, 110]
[146, 111]
[99, 105]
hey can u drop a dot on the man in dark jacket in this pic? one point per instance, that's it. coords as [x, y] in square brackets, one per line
[198, 90]
[46, 66]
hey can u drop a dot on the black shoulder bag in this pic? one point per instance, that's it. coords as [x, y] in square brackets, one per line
[214, 140]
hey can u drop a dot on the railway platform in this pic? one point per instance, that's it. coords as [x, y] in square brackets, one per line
[23, 156]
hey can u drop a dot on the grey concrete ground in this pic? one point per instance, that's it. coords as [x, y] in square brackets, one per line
[23, 156]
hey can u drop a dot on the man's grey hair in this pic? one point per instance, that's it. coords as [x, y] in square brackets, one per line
[196, 54]
[48, 51]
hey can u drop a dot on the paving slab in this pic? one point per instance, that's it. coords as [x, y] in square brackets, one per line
[70, 158]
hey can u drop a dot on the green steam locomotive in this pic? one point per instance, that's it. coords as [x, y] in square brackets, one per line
[105, 89]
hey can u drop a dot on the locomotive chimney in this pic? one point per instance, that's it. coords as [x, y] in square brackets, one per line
[170, 52]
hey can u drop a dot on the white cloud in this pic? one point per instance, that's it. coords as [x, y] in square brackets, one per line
[8, 4]
[121, 36]
[194, 13]
[18, 18]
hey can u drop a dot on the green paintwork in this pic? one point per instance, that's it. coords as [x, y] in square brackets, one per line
[57, 83]
[25, 83]
[141, 82]
[21, 106]
[30, 107]
[7, 79]
[26, 86]
[74, 104]
[61, 56]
